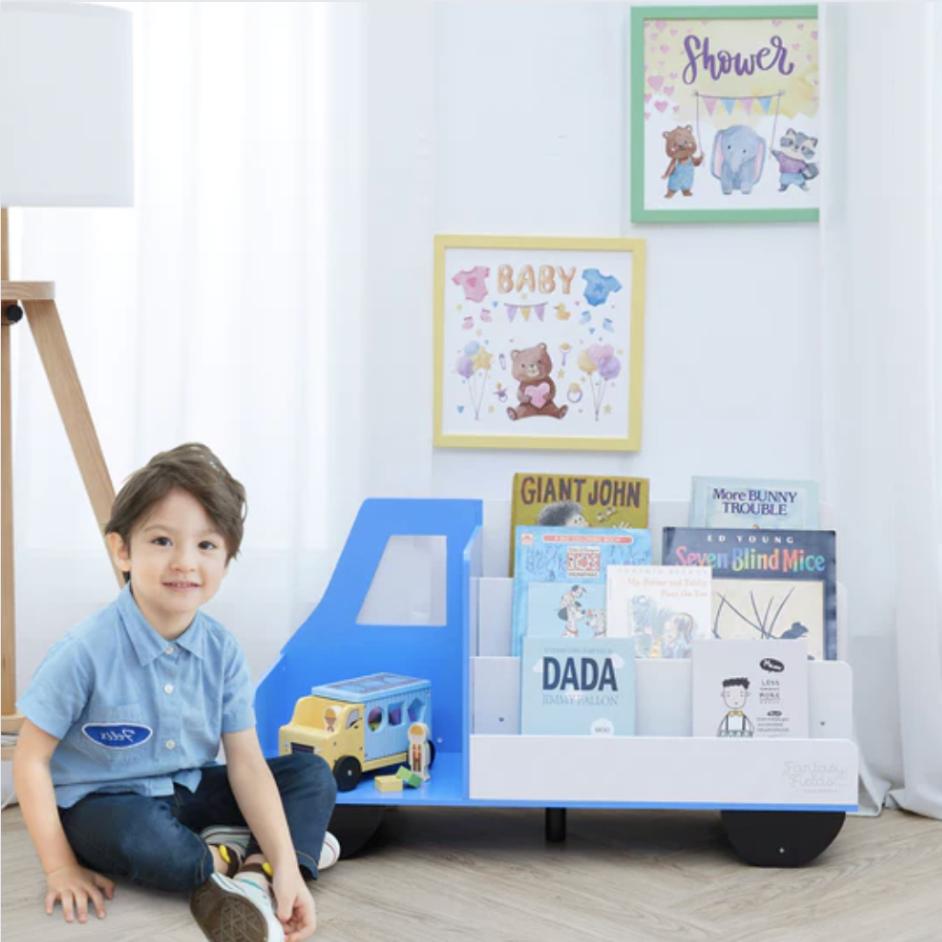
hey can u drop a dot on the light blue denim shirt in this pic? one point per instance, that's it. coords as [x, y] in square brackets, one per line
[133, 711]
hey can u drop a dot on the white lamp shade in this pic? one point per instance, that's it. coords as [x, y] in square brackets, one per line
[65, 105]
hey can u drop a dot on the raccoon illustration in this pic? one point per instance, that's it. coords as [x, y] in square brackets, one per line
[796, 160]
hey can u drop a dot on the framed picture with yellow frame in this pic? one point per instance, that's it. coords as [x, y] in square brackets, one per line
[538, 342]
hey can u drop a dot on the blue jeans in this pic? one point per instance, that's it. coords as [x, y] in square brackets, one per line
[156, 843]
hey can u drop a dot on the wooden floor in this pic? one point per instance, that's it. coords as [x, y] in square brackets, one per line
[435, 875]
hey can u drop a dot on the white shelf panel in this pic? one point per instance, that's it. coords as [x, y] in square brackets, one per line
[662, 697]
[665, 771]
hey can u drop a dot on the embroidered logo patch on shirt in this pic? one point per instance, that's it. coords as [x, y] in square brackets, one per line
[117, 735]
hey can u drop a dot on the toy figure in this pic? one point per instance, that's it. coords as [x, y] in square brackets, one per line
[419, 750]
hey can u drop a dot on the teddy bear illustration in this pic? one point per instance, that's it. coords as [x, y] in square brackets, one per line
[681, 147]
[532, 368]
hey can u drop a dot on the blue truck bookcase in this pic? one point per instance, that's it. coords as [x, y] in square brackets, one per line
[782, 801]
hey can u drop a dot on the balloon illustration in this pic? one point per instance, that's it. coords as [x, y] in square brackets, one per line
[599, 360]
[474, 365]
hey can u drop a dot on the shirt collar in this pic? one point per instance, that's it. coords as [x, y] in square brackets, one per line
[148, 644]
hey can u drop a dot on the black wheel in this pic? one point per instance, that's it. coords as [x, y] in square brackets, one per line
[431, 753]
[556, 825]
[781, 838]
[347, 772]
[355, 826]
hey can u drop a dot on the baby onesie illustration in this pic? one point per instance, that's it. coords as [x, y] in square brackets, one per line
[795, 160]
[681, 147]
[473, 282]
[735, 722]
[598, 286]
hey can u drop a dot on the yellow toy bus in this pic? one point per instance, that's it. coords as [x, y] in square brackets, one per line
[359, 725]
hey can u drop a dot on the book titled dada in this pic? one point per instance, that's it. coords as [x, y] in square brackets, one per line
[767, 504]
[559, 578]
[750, 689]
[577, 500]
[577, 688]
[767, 584]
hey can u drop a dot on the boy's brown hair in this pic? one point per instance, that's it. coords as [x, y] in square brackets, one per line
[192, 468]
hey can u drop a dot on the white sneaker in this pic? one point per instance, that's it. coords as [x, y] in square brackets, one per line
[239, 837]
[330, 852]
[230, 910]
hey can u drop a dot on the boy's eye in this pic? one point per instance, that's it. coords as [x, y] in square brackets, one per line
[208, 545]
[161, 541]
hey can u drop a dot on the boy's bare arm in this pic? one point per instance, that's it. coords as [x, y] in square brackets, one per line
[260, 803]
[66, 880]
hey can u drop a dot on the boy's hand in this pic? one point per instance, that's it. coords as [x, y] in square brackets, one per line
[295, 905]
[74, 886]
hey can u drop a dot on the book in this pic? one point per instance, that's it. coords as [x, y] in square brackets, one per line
[663, 608]
[750, 689]
[758, 503]
[569, 563]
[557, 500]
[767, 584]
[577, 688]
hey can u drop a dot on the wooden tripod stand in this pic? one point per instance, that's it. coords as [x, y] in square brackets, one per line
[38, 300]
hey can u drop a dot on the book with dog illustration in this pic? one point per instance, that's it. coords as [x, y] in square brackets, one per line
[559, 579]
[767, 584]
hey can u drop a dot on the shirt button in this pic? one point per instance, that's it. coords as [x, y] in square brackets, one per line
[169, 650]
[170, 744]
[168, 688]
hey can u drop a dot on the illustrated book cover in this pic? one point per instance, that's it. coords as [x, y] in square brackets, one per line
[559, 579]
[577, 688]
[663, 608]
[767, 584]
[750, 689]
[756, 503]
[561, 500]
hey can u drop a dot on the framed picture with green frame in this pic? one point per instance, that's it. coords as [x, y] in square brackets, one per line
[725, 113]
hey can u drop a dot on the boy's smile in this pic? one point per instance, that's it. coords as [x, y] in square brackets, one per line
[177, 559]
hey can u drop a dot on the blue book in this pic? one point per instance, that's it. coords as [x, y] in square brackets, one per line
[767, 584]
[559, 579]
[577, 688]
[759, 503]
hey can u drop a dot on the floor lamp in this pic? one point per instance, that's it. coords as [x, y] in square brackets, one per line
[66, 123]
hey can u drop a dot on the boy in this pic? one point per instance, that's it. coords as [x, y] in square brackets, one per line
[114, 767]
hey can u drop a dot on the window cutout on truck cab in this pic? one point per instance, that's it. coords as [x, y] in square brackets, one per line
[409, 584]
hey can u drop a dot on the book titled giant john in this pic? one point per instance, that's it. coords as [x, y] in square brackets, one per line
[758, 503]
[577, 688]
[559, 579]
[577, 500]
[767, 584]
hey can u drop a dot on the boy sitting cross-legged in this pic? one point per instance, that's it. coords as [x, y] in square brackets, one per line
[115, 765]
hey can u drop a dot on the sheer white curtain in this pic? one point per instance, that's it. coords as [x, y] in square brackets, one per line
[223, 307]
[881, 236]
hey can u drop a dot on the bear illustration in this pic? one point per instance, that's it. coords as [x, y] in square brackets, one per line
[532, 368]
[681, 147]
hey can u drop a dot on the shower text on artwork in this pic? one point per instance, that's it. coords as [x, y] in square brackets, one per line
[546, 279]
[720, 63]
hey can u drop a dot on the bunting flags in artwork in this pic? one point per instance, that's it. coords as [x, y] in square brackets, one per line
[729, 102]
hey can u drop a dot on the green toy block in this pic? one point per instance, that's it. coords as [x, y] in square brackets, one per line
[409, 777]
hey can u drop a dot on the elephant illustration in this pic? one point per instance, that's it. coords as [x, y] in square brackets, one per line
[738, 158]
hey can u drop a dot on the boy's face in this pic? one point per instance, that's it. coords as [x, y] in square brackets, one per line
[176, 559]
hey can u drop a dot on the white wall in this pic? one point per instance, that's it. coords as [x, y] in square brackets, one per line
[513, 119]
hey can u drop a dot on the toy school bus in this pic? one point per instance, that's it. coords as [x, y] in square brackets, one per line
[359, 725]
